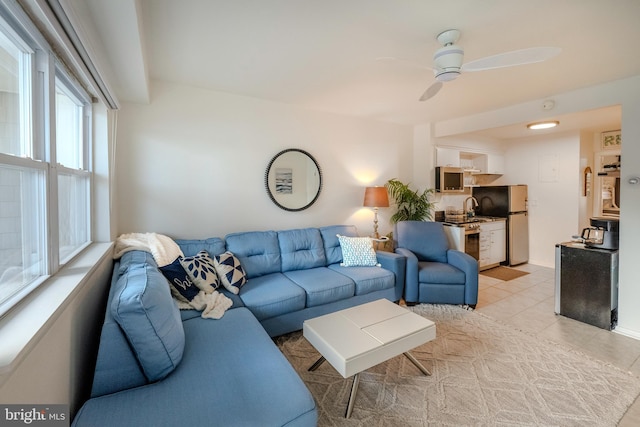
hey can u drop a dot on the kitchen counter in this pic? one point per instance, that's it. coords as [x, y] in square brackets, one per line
[472, 220]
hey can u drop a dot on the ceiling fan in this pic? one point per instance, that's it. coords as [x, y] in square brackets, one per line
[448, 65]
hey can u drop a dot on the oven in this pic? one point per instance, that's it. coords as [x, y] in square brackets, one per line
[464, 236]
[472, 240]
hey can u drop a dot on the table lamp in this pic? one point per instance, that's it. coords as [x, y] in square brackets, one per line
[376, 197]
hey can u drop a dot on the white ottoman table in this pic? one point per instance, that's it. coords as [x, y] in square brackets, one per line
[360, 337]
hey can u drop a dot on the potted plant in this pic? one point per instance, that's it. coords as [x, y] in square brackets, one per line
[411, 205]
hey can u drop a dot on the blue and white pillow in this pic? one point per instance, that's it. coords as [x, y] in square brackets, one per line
[357, 252]
[201, 271]
[231, 273]
[182, 288]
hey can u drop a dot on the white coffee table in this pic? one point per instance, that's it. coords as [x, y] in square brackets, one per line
[360, 337]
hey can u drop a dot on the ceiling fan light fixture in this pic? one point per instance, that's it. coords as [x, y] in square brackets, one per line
[447, 62]
[543, 125]
[447, 75]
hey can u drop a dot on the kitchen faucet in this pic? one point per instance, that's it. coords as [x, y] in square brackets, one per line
[474, 204]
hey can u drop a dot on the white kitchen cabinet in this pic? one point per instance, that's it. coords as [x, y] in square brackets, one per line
[492, 164]
[498, 251]
[493, 244]
[495, 164]
[447, 157]
[485, 249]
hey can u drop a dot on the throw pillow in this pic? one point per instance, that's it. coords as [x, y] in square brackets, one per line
[357, 251]
[201, 271]
[182, 288]
[231, 273]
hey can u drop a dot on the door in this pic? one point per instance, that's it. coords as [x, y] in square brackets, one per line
[517, 198]
[518, 238]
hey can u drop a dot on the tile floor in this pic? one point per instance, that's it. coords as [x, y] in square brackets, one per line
[528, 304]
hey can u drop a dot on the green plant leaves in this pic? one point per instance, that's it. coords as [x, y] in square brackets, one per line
[411, 205]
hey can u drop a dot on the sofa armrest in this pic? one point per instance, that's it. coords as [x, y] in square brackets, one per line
[411, 287]
[469, 265]
[397, 264]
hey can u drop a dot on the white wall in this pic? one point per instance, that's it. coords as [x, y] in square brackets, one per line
[553, 194]
[585, 210]
[191, 164]
[629, 287]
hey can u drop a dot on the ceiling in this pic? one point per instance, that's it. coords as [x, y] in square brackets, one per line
[322, 54]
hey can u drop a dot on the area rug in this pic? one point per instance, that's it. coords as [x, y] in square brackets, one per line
[503, 273]
[484, 373]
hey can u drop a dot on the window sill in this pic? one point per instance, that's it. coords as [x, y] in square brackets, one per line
[23, 326]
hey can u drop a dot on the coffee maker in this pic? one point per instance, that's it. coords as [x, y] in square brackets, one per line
[603, 233]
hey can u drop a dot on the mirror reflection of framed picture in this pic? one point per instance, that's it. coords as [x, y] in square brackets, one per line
[612, 140]
[284, 181]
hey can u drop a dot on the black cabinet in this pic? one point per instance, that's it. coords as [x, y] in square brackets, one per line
[587, 284]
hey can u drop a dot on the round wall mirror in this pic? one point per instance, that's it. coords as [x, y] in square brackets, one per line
[293, 179]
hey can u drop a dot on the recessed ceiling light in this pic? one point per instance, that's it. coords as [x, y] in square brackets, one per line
[543, 125]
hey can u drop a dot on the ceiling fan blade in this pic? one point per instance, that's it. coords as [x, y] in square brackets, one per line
[510, 59]
[431, 91]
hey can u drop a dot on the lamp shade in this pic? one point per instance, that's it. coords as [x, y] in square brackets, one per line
[376, 197]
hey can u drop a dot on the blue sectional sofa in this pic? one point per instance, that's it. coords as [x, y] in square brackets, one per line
[160, 366]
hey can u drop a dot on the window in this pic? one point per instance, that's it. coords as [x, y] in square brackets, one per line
[73, 176]
[45, 176]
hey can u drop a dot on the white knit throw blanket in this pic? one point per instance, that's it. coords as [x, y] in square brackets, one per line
[163, 248]
[164, 251]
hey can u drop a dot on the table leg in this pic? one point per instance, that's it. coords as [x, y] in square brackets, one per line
[417, 363]
[352, 395]
[317, 364]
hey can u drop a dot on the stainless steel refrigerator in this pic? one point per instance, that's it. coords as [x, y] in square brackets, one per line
[507, 201]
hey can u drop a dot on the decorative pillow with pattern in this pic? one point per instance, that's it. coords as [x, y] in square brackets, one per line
[231, 273]
[182, 288]
[201, 271]
[357, 252]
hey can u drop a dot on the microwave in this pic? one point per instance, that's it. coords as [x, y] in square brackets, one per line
[449, 180]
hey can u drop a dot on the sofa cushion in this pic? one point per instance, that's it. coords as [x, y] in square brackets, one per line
[181, 285]
[367, 279]
[322, 285]
[357, 251]
[437, 272]
[272, 295]
[301, 249]
[116, 365]
[214, 246]
[329, 234]
[201, 271]
[258, 251]
[143, 307]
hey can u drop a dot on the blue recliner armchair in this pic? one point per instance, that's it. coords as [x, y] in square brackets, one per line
[435, 273]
